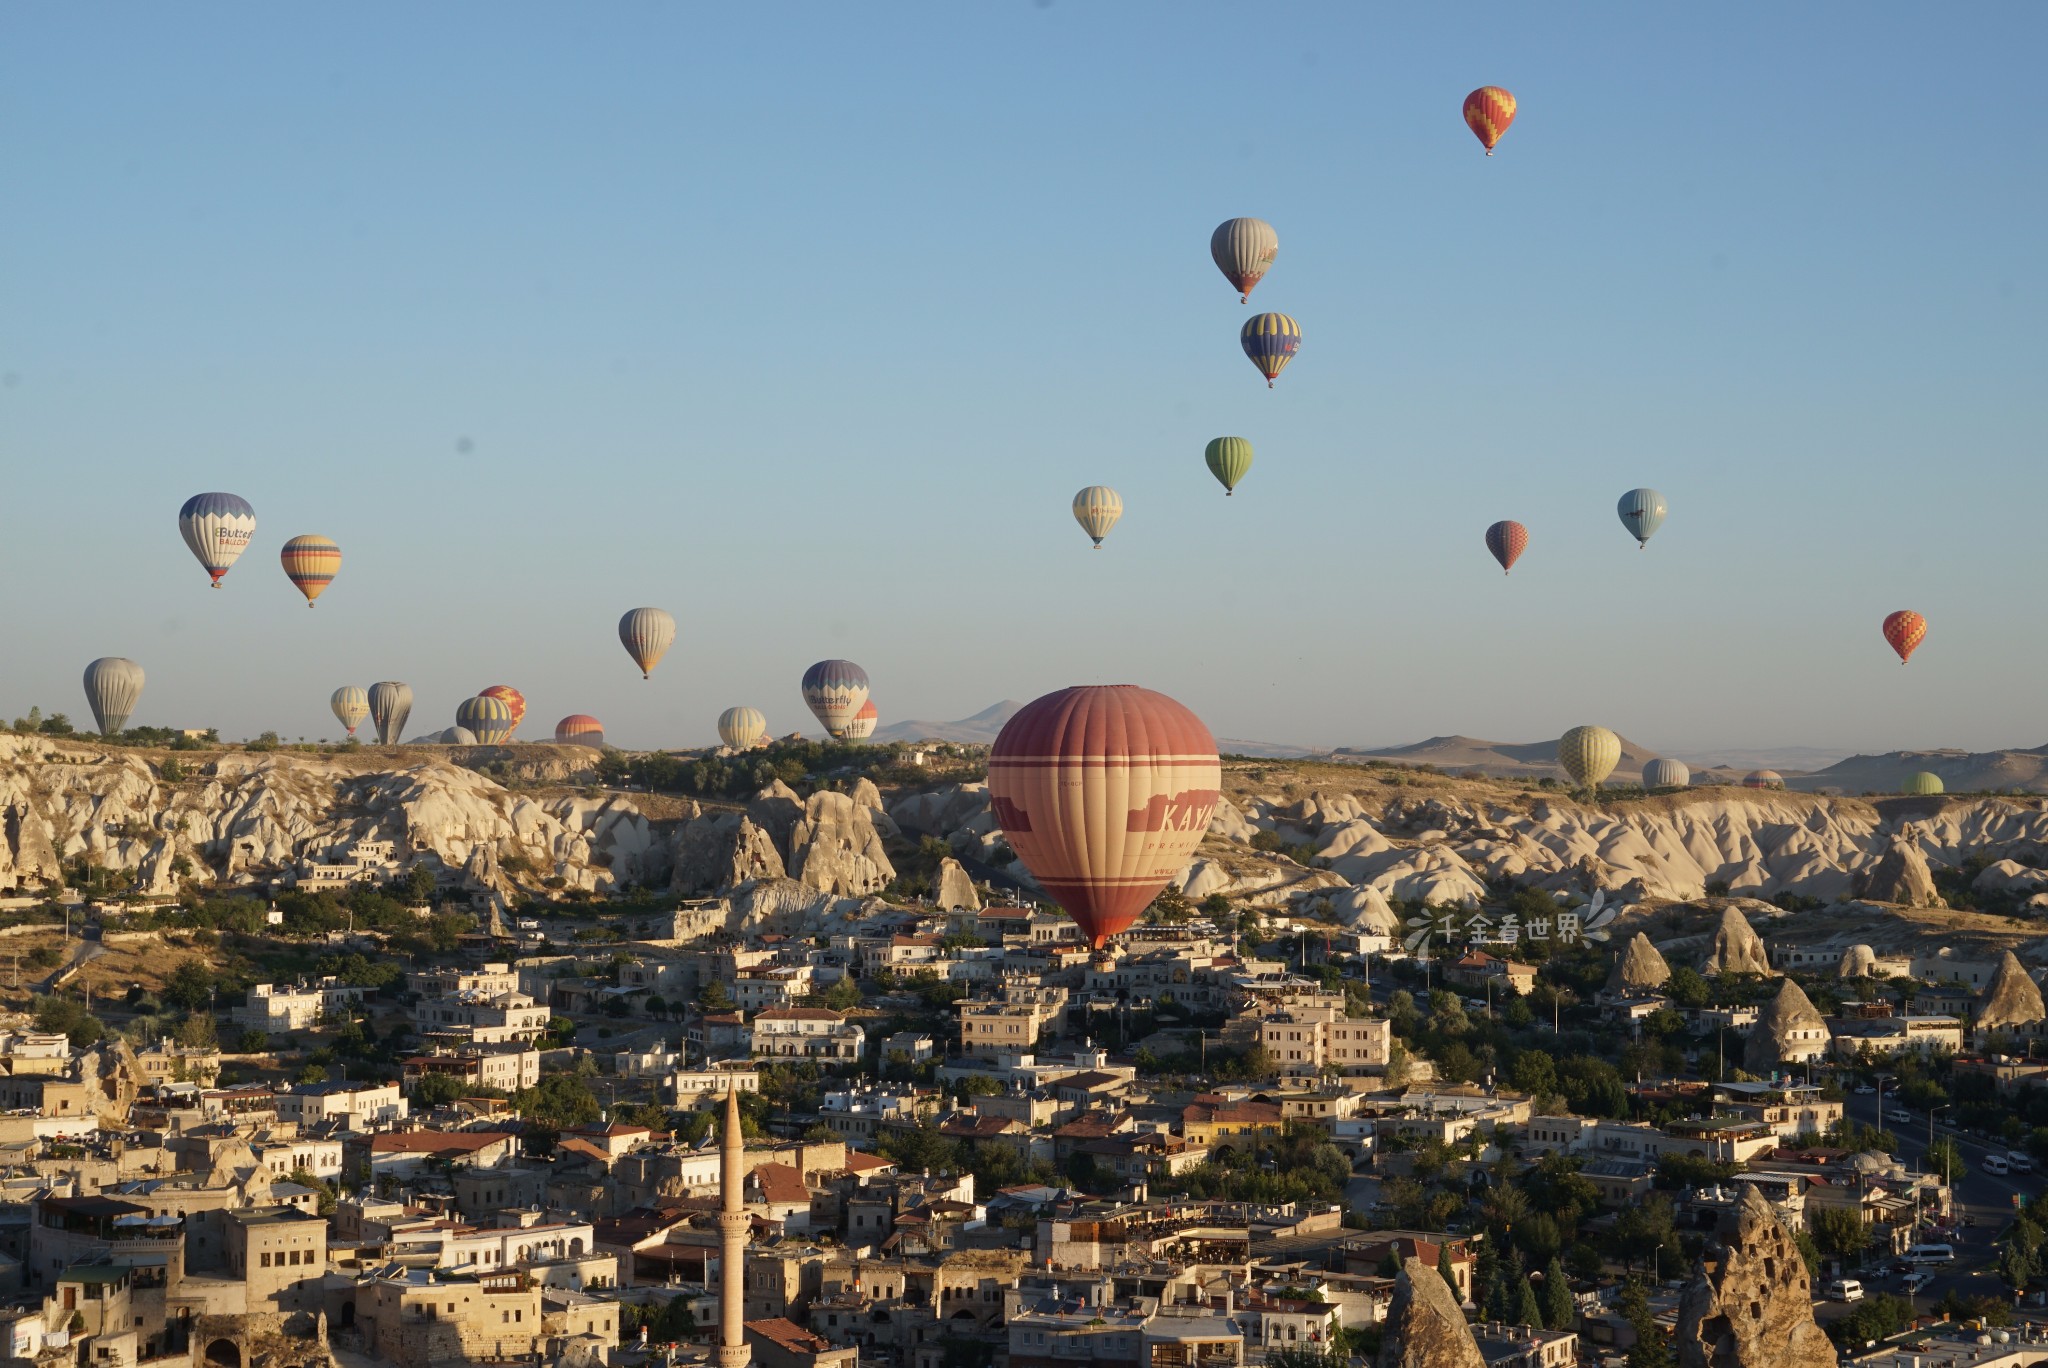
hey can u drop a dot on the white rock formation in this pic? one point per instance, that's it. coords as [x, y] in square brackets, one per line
[835, 848]
[952, 890]
[1737, 948]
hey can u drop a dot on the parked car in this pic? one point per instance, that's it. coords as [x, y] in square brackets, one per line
[1864, 1090]
[1844, 1290]
[1915, 1280]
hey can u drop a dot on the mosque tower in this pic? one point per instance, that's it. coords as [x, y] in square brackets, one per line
[732, 1241]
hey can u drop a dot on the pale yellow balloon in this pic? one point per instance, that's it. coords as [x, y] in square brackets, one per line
[1589, 754]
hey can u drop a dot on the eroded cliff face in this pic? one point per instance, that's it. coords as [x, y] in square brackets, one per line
[1449, 850]
[242, 817]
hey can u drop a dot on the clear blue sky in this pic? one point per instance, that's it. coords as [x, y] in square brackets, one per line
[806, 321]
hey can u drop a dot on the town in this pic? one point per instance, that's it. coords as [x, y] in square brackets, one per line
[485, 1125]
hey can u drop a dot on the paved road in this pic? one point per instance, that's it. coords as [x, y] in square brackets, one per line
[1984, 1199]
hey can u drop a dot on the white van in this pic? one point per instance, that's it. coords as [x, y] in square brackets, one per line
[1931, 1253]
[1995, 1163]
[2020, 1161]
[1844, 1290]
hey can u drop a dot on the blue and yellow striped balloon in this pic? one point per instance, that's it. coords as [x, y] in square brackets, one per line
[1271, 340]
[488, 717]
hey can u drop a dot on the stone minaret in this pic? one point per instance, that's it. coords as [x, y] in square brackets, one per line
[732, 1241]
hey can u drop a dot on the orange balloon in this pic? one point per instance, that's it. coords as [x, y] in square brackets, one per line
[514, 700]
[1104, 792]
[1488, 112]
[1904, 630]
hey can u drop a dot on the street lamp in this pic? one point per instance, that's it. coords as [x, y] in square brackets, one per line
[1882, 1079]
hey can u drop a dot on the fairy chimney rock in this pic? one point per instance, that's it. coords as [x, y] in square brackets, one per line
[1638, 967]
[1754, 1309]
[1424, 1327]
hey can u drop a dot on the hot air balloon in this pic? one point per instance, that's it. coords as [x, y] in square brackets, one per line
[579, 729]
[1229, 458]
[1507, 540]
[1488, 112]
[1763, 779]
[1642, 513]
[310, 563]
[647, 633]
[1589, 754]
[459, 736]
[1243, 249]
[351, 704]
[742, 728]
[1666, 774]
[1104, 792]
[863, 724]
[1925, 784]
[834, 691]
[1904, 630]
[113, 686]
[514, 700]
[1097, 508]
[217, 527]
[489, 718]
[1270, 340]
[390, 705]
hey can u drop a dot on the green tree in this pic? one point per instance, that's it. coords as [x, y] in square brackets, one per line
[1560, 1312]
[1528, 1311]
[1686, 988]
[190, 986]
[714, 998]
[1651, 1349]
[1839, 1232]
[1945, 1159]
[68, 1017]
[419, 883]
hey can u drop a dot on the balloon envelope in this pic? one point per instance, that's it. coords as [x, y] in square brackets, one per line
[580, 729]
[489, 719]
[863, 724]
[1925, 784]
[310, 563]
[1589, 754]
[1488, 112]
[514, 700]
[742, 728]
[1507, 541]
[647, 633]
[1270, 340]
[834, 691]
[1104, 792]
[1662, 774]
[1097, 508]
[1763, 779]
[218, 528]
[390, 705]
[1243, 249]
[1905, 630]
[1229, 459]
[113, 686]
[1642, 512]
[351, 704]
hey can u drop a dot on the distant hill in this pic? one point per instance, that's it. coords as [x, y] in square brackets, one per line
[978, 730]
[1508, 759]
[1960, 771]
[1784, 759]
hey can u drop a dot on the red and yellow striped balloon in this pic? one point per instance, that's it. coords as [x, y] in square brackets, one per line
[311, 563]
[514, 700]
[1904, 630]
[1488, 112]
